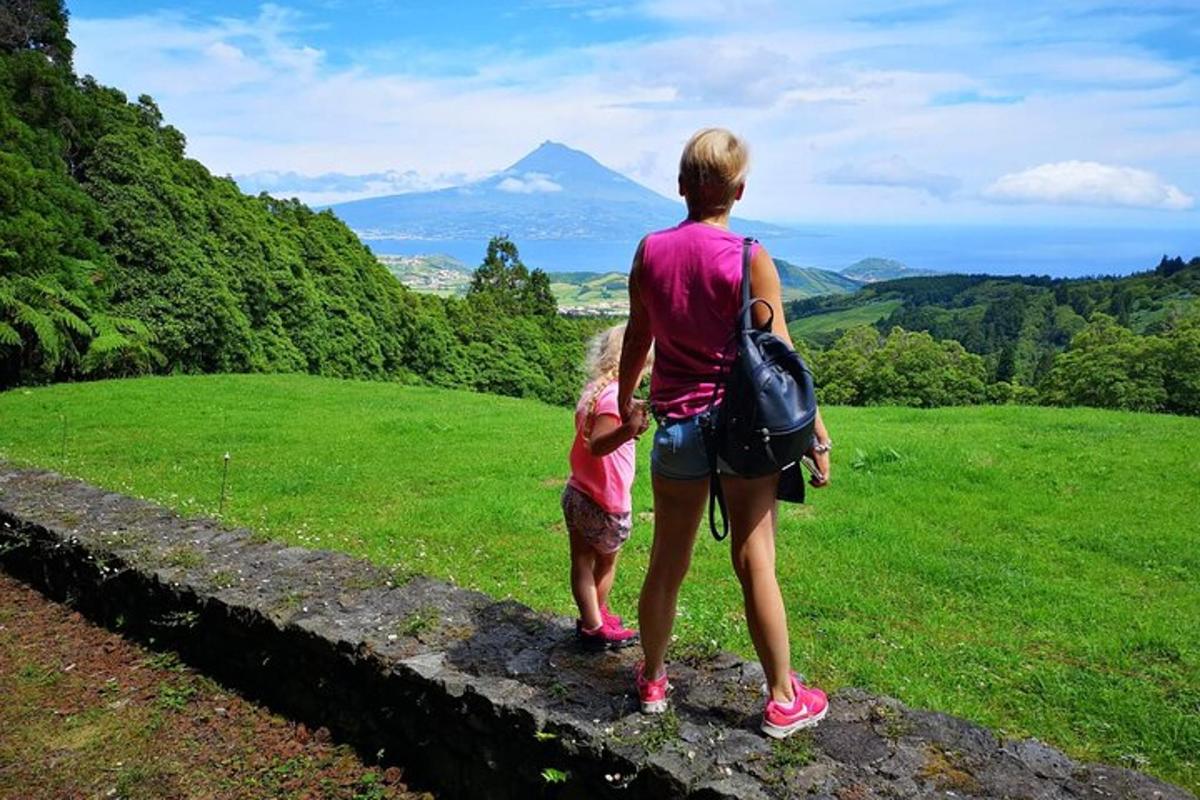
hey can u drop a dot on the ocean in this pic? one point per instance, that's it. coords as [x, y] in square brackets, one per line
[1057, 252]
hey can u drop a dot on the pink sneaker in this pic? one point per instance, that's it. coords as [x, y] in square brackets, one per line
[608, 617]
[609, 636]
[806, 710]
[652, 694]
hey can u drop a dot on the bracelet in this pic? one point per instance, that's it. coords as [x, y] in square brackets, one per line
[822, 447]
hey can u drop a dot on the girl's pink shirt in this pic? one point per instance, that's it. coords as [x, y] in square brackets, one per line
[690, 283]
[608, 480]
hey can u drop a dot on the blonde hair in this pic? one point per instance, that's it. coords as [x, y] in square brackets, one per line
[712, 169]
[603, 360]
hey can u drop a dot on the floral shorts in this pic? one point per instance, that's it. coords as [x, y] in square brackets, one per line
[603, 530]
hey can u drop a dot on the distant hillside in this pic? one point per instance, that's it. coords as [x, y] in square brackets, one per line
[1017, 323]
[591, 293]
[801, 282]
[583, 292]
[553, 193]
[444, 276]
[872, 270]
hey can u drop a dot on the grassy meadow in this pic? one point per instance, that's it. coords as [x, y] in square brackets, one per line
[831, 321]
[1034, 569]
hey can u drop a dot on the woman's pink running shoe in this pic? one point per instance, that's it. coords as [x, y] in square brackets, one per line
[808, 707]
[651, 693]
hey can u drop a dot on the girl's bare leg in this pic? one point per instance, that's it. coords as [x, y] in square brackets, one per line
[583, 582]
[603, 572]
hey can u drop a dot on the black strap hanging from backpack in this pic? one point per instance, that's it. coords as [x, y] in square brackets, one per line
[765, 421]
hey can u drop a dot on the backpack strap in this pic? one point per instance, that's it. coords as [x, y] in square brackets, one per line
[716, 497]
[708, 424]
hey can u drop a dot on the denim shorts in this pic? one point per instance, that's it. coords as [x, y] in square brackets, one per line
[679, 452]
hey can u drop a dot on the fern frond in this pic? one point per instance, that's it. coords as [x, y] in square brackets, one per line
[69, 320]
[9, 337]
[133, 327]
[43, 328]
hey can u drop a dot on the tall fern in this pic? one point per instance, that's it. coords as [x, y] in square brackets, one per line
[48, 331]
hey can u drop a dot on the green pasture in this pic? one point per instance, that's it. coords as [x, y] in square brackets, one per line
[832, 321]
[1034, 569]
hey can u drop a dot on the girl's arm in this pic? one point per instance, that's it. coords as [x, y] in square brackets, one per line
[764, 283]
[609, 432]
[636, 343]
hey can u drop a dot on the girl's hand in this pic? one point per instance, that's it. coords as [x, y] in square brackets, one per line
[638, 418]
[628, 408]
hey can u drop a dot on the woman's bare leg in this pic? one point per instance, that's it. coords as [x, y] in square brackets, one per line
[752, 506]
[678, 506]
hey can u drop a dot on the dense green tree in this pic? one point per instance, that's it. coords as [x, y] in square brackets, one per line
[903, 368]
[503, 284]
[1111, 367]
[36, 25]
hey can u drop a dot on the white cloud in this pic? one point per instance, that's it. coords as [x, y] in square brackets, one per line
[893, 171]
[809, 91]
[1088, 183]
[529, 183]
[335, 187]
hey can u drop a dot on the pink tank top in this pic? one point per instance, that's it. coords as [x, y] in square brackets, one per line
[690, 283]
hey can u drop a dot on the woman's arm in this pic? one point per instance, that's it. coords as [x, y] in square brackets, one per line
[637, 341]
[764, 283]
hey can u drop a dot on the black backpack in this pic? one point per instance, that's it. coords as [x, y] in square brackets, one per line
[765, 422]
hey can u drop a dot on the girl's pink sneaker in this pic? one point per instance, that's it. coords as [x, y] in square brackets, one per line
[609, 636]
[651, 693]
[808, 707]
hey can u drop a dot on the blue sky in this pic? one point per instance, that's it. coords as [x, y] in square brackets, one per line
[1073, 112]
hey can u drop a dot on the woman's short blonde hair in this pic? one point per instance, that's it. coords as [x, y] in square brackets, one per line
[712, 168]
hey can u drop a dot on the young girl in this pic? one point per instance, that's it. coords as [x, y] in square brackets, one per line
[684, 295]
[597, 503]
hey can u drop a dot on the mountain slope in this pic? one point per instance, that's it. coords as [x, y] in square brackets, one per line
[800, 282]
[553, 193]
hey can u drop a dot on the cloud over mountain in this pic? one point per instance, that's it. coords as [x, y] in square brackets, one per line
[554, 193]
[1089, 183]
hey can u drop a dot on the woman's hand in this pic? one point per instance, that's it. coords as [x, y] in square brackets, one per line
[821, 459]
[820, 451]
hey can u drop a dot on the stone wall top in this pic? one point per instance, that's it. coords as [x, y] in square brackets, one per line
[480, 698]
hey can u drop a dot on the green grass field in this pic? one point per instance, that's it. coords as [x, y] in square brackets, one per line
[832, 321]
[1034, 569]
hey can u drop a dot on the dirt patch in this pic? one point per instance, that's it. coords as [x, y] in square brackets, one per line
[88, 714]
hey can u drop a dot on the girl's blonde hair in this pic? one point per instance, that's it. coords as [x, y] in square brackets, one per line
[603, 360]
[712, 169]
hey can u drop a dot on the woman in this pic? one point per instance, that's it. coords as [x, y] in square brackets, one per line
[684, 291]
